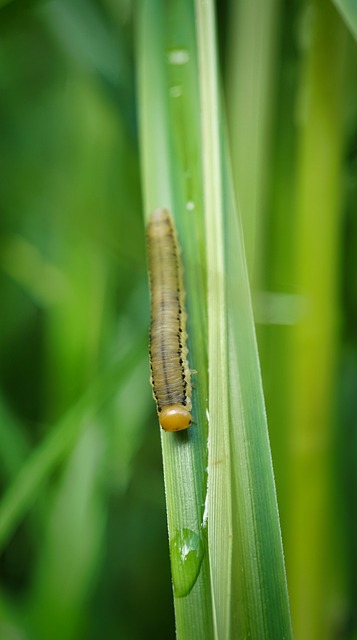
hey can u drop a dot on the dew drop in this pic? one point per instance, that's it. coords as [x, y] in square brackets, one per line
[187, 550]
[190, 205]
[178, 56]
[205, 513]
[176, 91]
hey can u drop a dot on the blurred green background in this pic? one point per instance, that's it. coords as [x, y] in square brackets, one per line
[84, 551]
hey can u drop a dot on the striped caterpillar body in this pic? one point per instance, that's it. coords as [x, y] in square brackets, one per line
[170, 373]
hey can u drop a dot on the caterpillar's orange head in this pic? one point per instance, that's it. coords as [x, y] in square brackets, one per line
[175, 417]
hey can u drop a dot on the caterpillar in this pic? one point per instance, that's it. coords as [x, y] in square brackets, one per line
[170, 373]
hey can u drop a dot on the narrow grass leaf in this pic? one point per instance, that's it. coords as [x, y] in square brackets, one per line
[219, 502]
[348, 11]
[241, 494]
[315, 334]
[170, 150]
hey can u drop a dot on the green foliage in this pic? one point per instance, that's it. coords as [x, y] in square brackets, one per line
[348, 11]
[102, 101]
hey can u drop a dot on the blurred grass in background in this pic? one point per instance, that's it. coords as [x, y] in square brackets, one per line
[82, 527]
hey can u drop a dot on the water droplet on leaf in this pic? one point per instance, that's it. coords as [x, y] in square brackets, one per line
[187, 550]
[178, 56]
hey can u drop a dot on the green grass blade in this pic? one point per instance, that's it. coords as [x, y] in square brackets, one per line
[170, 143]
[257, 594]
[219, 498]
[315, 335]
[348, 11]
[253, 36]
